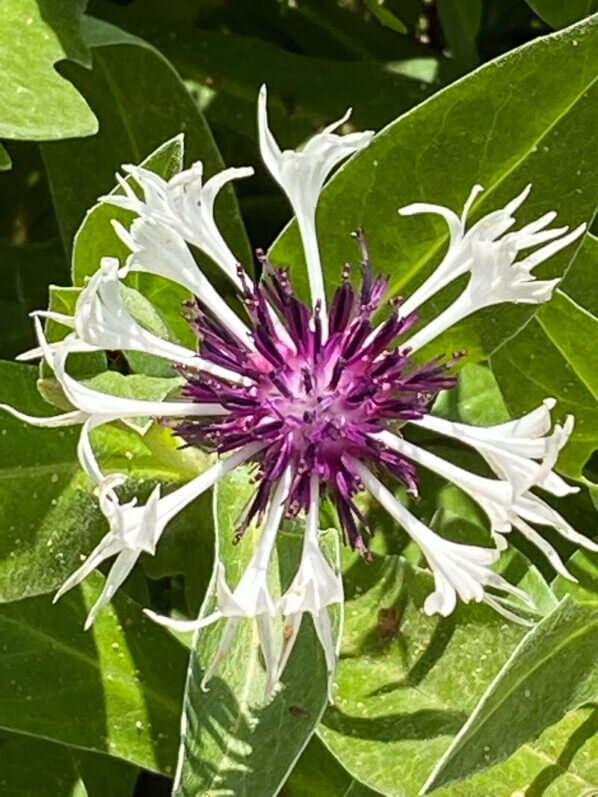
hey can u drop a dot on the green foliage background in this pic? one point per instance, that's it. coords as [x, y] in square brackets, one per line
[499, 92]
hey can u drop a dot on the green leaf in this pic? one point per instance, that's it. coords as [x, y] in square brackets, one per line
[104, 690]
[5, 159]
[552, 671]
[37, 768]
[461, 20]
[231, 737]
[407, 682]
[385, 16]
[25, 272]
[555, 355]
[37, 102]
[478, 130]
[559, 14]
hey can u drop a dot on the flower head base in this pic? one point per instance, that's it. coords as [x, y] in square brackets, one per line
[319, 398]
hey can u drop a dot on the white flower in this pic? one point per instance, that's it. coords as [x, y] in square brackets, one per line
[459, 256]
[301, 175]
[302, 411]
[250, 598]
[185, 205]
[459, 570]
[157, 248]
[135, 529]
[496, 275]
[101, 321]
[495, 496]
[314, 587]
[511, 449]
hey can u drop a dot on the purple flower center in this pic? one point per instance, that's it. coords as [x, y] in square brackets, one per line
[313, 403]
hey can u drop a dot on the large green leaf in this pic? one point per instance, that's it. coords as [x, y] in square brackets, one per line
[232, 739]
[106, 690]
[479, 130]
[559, 13]
[556, 355]
[37, 768]
[142, 102]
[407, 683]
[36, 102]
[552, 671]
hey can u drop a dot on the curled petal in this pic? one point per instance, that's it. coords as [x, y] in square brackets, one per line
[459, 570]
[301, 175]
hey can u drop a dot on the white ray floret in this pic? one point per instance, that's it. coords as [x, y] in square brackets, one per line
[157, 248]
[495, 496]
[101, 321]
[512, 448]
[135, 529]
[462, 241]
[314, 587]
[496, 277]
[301, 174]
[459, 570]
[250, 598]
[185, 204]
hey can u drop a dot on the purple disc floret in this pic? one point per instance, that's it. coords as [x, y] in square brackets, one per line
[315, 404]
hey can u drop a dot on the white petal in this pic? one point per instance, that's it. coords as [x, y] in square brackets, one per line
[289, 637]
[50, 421]
[107, 547]
[535, 510]
[462, 570]
[495, 276]
[183, 625]
[159, 249]
[493, 495]
[264, 629]
[301, 175]
[511, 448]
[119, 571]
[226, 639]
[455, 224]
[110, 407]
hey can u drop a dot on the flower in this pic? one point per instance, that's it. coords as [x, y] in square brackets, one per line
[183, 205]
[301, 175]
[314, 587]
[319, 399]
